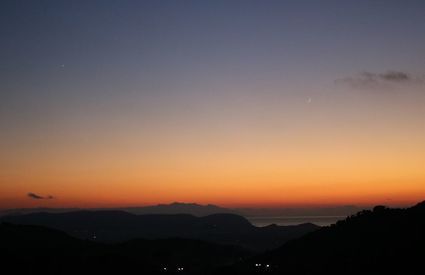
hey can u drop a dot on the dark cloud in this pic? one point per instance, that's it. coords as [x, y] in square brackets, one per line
[395, 76]
[378, 80]
[38, 197]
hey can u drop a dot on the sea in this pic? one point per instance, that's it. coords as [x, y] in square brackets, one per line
[261, 221]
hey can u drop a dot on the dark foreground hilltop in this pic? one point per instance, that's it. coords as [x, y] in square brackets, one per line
[381, 241]
[27, 249]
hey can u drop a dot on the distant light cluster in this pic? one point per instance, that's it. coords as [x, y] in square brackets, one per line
[179, 269]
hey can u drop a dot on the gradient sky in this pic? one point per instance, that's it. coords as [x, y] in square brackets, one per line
[237, 103]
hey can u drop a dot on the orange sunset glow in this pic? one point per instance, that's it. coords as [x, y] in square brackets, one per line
[232, 167]
[133, 110]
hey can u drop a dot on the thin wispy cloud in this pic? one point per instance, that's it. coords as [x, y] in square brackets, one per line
[370, 80]
[38, 197]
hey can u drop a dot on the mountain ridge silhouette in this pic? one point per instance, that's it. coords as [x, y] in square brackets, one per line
[30, 249]
[117, 226]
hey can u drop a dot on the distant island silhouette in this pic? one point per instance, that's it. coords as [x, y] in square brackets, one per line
[194, 209]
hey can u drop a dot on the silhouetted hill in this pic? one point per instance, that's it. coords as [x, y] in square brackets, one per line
[172, 208]
[36, 250]
[381, 241]
[23, 211]
[118, 226]
[180, 208]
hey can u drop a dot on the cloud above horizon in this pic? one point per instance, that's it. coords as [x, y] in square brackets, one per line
[370, 80]
[38, 197]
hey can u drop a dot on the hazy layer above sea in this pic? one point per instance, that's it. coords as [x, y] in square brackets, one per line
[294, 220]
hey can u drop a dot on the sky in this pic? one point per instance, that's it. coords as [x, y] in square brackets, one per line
[236, 103]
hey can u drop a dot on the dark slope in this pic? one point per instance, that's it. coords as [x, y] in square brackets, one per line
[382, 241]
[36, 250]
[116, 226]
